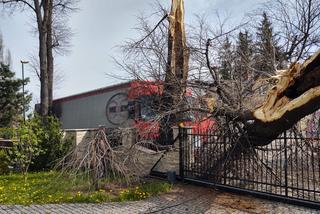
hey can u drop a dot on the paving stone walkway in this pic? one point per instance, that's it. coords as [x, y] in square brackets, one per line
[183, 199]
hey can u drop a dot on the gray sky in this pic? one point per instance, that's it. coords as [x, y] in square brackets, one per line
[99, 26]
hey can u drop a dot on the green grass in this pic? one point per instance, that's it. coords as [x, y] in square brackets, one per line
[143, 191]
[49, 187]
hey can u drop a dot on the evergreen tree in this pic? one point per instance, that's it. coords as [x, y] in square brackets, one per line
[12, 99]
[225, 59]
[244, 56]
[269, 56]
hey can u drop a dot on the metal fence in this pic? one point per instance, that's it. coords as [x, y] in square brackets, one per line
[287, 169]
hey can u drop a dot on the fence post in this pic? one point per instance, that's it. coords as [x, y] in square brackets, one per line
[224, 152]
[181, 153]
[286, 163]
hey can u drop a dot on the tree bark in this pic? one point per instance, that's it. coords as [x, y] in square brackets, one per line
[50, 59]
[44, 103]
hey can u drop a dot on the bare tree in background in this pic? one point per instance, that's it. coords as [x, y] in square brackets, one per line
[5, 55]
[298, 22]
[50, 35]
[58, 75]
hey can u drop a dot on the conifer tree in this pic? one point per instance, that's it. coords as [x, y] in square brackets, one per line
[268, 53]
[12, 99]
[244, 56]
[225, 59]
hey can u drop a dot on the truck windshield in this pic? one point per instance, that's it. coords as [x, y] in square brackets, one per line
[190, 115]
[147, 107]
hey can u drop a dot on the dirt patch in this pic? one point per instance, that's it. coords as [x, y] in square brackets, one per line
[206, 200]
[243, 203]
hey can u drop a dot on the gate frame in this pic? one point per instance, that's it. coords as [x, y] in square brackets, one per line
[228, 188]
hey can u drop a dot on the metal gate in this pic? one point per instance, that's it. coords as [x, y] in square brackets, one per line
[288, 169]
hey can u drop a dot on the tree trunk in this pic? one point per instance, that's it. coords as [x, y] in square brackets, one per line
[43, 18]
[176, 73]
[50, 60]
[44, 96]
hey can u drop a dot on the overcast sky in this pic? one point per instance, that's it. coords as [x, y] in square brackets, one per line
[98, 27]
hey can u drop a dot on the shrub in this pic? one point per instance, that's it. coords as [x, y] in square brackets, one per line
[7, 133]
[49, 136]
[25, 145]
[4, 163]
[38, 143]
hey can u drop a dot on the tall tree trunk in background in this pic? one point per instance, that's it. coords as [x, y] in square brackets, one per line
[44, 11]
[44, 95]
[50, 60]
[176, 73]
[42, 28]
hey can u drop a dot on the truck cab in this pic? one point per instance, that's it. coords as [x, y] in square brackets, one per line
[143, 110]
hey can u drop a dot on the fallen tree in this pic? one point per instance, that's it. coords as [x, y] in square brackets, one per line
[295, 95]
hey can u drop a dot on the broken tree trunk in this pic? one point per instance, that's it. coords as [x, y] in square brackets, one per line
[296, 95]
[176, 73]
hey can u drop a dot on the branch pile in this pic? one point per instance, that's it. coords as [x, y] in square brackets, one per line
[98, 159]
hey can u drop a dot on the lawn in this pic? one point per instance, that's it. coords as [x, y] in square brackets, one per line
[50, 187]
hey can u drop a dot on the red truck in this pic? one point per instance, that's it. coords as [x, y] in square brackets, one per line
[144, 98]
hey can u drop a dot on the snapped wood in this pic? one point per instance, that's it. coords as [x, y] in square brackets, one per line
[278, 103]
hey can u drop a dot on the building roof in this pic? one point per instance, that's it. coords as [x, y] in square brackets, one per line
[93, 92]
